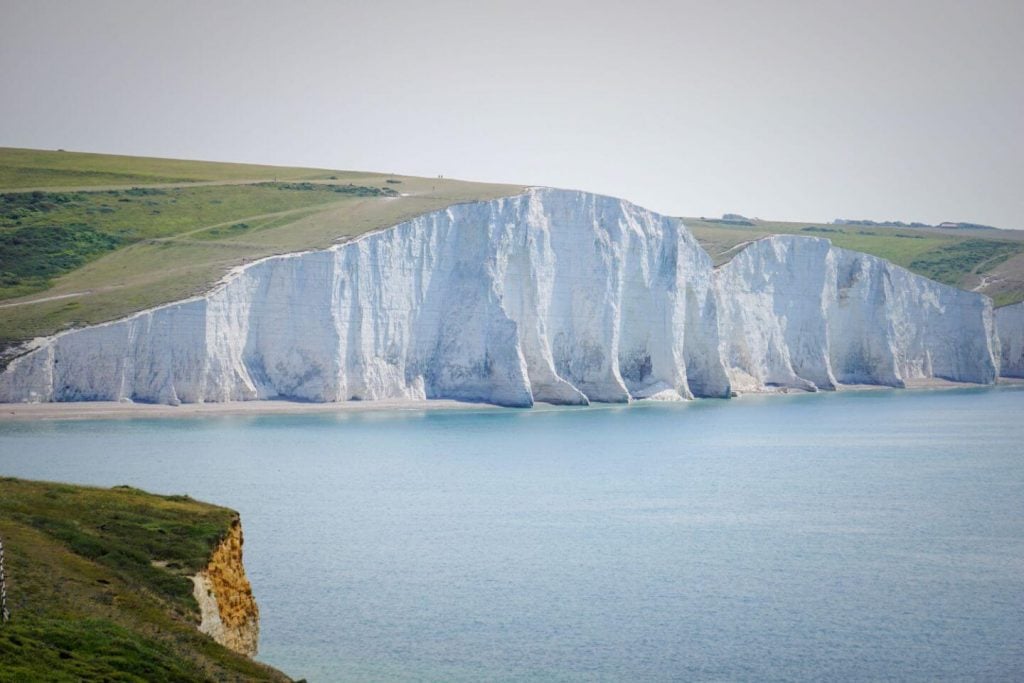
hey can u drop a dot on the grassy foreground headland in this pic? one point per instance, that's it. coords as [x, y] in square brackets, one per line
[88, 238]
[98, 586]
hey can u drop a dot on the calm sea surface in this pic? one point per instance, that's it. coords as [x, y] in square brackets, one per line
[854, 536]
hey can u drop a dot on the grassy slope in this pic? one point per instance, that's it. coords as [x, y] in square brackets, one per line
[988, 261]
[179, 239]
[88, 603]
[45, 169]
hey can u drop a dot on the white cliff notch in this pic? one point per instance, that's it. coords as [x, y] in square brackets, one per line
[553, 295]
[229, 613]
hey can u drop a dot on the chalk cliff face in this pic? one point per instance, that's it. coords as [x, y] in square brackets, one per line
[553, 295]
[797, 312]
[227, 607]
[1010, 323]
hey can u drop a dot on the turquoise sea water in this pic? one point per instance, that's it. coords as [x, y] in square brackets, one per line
[853, 536]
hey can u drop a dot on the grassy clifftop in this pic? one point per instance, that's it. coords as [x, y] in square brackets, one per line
[87, 238]
[98, 587]
[986, 261]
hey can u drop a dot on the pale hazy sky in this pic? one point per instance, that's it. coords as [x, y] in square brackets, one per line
[909, 110]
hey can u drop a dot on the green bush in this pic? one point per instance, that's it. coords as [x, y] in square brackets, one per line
[17, 205]
[42, 253]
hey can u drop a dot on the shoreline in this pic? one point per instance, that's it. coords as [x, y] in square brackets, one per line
[107, 410]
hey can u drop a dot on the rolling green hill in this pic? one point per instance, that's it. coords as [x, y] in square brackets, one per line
[87, 238]
[986, 261]
[98, 587]
[53, 170]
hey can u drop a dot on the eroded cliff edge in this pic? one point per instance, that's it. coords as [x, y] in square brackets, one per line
[98, 586]
[228, 610]
[553, 295]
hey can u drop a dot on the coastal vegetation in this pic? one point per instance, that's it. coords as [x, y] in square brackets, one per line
[949, 262]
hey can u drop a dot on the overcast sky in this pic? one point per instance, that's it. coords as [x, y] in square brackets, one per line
[908, 110]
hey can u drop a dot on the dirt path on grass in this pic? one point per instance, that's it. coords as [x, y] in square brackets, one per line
[46, 298]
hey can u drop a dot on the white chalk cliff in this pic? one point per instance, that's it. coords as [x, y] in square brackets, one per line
[552, 295]
[798, 312]
[1010, 324]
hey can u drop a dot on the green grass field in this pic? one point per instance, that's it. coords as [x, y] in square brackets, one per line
[46, 169]
[87, 238]
[46, 234]
[98, 590]
[989, 261]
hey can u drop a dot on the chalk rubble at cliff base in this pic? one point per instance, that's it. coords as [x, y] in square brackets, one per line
[552, 295]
